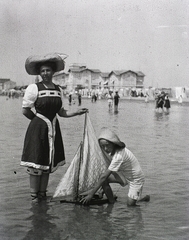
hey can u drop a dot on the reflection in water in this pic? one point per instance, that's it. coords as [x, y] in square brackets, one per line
[128, 223]
[41, 225]
[100, 222]
[159, 116]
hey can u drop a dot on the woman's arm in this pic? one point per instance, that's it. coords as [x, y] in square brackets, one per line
[64, 113]
[27, 112]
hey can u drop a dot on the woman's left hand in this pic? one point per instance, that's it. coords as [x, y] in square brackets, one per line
[82, 111]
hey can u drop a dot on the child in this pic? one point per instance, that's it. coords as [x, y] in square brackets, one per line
[110, 100]
[124, 169]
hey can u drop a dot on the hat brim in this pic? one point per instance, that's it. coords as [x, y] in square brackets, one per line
[33, 61]
[120, 144]
[110, 136]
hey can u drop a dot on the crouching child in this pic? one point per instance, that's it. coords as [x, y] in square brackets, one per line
[124, 169]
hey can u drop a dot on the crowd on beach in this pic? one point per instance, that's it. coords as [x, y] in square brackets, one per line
[161, 98]
[113, 98]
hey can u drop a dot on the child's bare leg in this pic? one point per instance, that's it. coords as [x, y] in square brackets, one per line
[101, 192]
[144, 199]
[108, 191]
[131, 202]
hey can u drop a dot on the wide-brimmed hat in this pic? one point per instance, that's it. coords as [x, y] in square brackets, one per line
[109, 135]
[33, 62]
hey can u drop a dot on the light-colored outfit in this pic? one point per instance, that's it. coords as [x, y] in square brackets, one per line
[125, 166]
[180, 99]
[110, 100]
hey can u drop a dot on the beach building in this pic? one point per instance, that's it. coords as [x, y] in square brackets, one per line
[81, 77]
[125, 81]
[61, 78]
[6, 84]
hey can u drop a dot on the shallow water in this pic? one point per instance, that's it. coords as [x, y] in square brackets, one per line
[160, 142]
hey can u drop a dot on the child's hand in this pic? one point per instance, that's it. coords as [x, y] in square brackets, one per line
[85, 200]
[86, 197]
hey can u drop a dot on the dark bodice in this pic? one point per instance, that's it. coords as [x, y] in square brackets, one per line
[49, 101]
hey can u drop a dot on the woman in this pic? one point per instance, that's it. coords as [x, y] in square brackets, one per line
[43, 150]
[167, 104]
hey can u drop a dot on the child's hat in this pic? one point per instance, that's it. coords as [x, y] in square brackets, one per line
[107, 134]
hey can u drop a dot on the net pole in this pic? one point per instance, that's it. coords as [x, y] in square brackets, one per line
[81, 157]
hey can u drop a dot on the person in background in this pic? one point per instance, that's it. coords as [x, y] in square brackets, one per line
[160, 102]
[70, 98]
[124, 169]
[180, 100]
[110, 100]
[79, 98]
[167, 104]
[43, 150]
[93, 97]
[116, 101]
[146, 98]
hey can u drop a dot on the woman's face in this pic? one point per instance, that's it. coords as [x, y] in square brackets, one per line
[107, 146]
[46, 73]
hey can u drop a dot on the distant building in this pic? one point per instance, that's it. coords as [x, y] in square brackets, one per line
[61, 78]
[82, 77]
[79, 76]
[6, 84]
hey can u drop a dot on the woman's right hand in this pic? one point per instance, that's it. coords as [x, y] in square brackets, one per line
[82, 111]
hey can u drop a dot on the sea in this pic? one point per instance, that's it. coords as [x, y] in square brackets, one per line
[159, 140]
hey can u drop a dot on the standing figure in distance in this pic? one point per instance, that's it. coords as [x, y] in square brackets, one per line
[180, 100]
[167, 104]
[70, 98]
[160, 102]
[116, 101]
[43, 150]
[110, 100]
[79, 98]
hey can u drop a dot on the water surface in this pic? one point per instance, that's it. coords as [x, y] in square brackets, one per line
[160, 141]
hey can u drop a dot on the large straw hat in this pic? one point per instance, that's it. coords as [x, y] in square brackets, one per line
[33, 62]
[107, 134]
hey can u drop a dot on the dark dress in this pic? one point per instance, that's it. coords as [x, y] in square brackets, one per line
[116, 99]
[167, 103]
[160, 102]
[43, 145]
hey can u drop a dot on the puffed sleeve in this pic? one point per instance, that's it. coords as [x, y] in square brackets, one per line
[30, 96]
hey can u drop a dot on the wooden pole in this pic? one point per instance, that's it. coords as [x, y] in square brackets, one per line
[81, 158]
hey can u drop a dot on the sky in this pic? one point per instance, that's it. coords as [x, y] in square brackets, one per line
[151, 36]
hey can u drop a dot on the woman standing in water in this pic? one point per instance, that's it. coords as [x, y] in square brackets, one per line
[116, 101]
[43, 150]
[167, 104]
